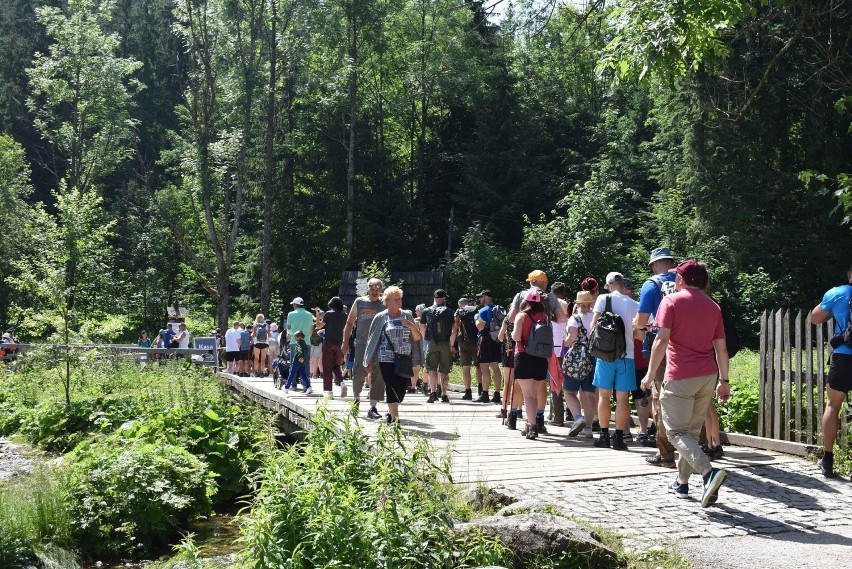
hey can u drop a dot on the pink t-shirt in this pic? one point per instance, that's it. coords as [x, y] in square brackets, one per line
[695, 321]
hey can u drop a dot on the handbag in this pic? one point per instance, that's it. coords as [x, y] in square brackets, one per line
[403, 364]
[577, 363]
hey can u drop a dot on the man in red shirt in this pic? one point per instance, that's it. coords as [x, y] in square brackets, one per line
[690, 331]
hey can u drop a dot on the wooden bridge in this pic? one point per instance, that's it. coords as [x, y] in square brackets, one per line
[484, 451]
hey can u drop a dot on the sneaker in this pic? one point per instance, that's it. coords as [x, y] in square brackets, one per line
[468, 395]
[328, 394]
[343, 390]
[432, 397]
[479, 389]
[712, 482]
[373, 413]
[652, 429]
[618, 443]
[657, 460]
[650, 441]
[501, 414]
[445, 398]
[716, 452]
[641, 438]
[577, 428]
[826, 465]
[410, 390]
[286, 391]
[603, 440]
[588, 433]
[628, 437]
[496, 399]
[309, 391]
[388, 419]
[557, 423]
[484, 398]
[678, 489]
[438, 390]
[596, 425]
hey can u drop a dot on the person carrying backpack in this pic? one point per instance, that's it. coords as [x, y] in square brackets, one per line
[533, 347]
[488, 349]
[611, 342]
[437, 324]
[465, 321]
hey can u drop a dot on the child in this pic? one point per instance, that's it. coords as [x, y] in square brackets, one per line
[299, 361]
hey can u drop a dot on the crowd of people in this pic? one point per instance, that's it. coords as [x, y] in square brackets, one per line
[581, 352]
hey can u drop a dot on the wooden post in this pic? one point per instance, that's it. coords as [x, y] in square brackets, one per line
[798, 375]
[761, 403]
[820, 371]
[788, 376]
[770, 372]
[809, 378]
[778, 377]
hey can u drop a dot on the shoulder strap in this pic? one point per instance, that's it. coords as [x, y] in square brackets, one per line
[385, 332]
[608, 303]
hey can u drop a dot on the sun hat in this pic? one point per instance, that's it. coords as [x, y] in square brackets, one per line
[584, 297]
[298, 301]
[660, 253]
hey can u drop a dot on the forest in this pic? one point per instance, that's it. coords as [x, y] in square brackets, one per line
[232, 154]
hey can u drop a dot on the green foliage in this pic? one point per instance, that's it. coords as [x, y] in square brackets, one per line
[34, 517]
[339, 498]
[482, 264]
[129, 496]
[739, 414]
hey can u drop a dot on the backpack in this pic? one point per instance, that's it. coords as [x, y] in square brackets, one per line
[498, 314]
[439, 328]
[665, 287]
[467, 317]
[540, 341]
[261, 332]
[607, 339]
[577, 363]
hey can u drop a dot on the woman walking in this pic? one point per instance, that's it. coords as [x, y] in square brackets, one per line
[332, 322]
[529, 369]
[391, 338]
[261, 345]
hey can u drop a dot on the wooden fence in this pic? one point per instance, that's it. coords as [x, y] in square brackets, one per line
[794, 358]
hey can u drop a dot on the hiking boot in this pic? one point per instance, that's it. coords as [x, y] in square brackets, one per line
[603, 440]
[618, 442]
[712, 482]
[652, 429]
[512, 421]
[373, 414]
[445, 398]
[468, 395]
[539, 424]
[529, 432]
[520, 414]
[438, 390]
[826, 465]
[678, 489]
[577, 428]
[479, 389]
[501, 414]
[483, 398]
[432, 397]
[650, 441]
[496, 399]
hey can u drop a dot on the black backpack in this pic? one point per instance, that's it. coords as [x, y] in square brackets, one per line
[467, 317]
[439, 327]
[607, 339]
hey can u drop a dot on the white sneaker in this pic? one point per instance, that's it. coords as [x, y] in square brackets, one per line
[587, 432]
[309, 390]
[286, 391]
[343, 389]
[328, 394]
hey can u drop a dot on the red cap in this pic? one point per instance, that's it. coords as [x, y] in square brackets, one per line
[693, 273]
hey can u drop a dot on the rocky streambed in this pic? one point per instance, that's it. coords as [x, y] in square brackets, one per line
[15, 460]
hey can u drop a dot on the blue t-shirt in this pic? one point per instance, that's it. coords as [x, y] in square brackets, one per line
[245, 340]
[485, 314]
[836, 302]
[650, 297]
[168, 336]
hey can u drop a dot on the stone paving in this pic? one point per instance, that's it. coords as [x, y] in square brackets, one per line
[761, 500]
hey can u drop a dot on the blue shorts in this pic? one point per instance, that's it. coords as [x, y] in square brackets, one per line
[621, 374]
[573, 386]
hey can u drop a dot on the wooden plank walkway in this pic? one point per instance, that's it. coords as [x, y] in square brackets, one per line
[483, 451]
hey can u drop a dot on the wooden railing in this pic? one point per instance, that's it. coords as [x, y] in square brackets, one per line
[794, 357]
[139, 354]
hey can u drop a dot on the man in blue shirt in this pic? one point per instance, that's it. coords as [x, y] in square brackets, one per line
[653, 291]
[489, 350]
[836, 304]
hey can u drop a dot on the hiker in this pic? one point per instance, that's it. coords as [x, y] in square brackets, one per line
[232, 347]
[390, 340]
[466, 332]
[555, 313]
[513, 398]
[261, 345]
[248, 340]
[437, 326]
[836, 303]
[315, 341]
[488, 321]
[299, 320]
[418, 366]
[689, 330]
[578, 366]
[364, 308]
[332, 323]
[619, 374]
[531, 367]
[641, 398]
[300, 353]
[557, 400]
[654, 289]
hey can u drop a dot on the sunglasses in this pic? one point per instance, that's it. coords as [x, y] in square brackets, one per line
[378, 286]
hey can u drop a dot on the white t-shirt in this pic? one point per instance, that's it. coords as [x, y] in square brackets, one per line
[559, 328]
[587, 321]
[232, 340]
[183, 344]
[625, 307]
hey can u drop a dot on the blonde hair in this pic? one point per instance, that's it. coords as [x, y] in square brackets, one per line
[391, 291]
[260, 318]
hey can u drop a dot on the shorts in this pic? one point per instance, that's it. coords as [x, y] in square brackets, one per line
[489, 350]
[260, 345]
[573, 386]
[467, 352]
[232, 356]
[639, 393]
[530, 367]
[316, 352]
[244, 355]
[438, 357]
[395, 385]
[620, 374]
[840, 373]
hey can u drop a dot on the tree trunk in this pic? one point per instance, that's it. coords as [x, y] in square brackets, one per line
[270, 167]
[350, 149]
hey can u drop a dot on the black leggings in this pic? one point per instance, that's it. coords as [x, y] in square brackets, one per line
[395, 385]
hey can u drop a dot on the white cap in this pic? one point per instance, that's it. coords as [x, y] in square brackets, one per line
[611, 277]
[298, 301]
